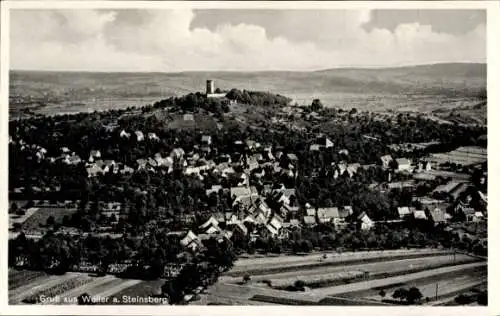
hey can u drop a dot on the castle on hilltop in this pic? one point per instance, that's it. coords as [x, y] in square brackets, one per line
[211, 90]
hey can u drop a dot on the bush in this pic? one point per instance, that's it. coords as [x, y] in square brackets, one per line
[299, 285]
[268, 282]
[463, 299]
[246, 278]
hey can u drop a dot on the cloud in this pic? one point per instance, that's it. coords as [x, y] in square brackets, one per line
[163, 40]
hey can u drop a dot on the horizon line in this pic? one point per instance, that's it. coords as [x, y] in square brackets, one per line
[257, 71]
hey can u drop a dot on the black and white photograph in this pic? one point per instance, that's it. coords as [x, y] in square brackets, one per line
[247, 155]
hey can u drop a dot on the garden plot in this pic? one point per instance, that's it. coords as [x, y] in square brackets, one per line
[19, 277]
[17, 295]
[21, 219]
[39, 218]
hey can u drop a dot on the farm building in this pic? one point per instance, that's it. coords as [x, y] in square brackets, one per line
[404, 211]
[327, 215]
[437, 216]
[365, 222]
[403, 164]
[386, 160]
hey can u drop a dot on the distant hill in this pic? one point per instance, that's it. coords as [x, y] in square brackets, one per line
[386, 88]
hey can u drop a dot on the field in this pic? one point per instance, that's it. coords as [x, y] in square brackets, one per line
[336, 274]
[340, 279]
[348, 279]
[30, 287]
[419, 88]
[15, 219]
[463, 156]
[40, 217]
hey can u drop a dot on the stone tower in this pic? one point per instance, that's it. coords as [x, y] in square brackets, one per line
[210, 87]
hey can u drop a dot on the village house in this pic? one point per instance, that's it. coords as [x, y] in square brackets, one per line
[365, 222]
[464, 210]
[239, 192]
[289, 211]
[327, 215]
[94, 154]
[177, 153]
[124, 169]
[309, 220]
[238, 228]
[324, 142]
[139, 135]
[274, 226]
[153, 136]
[452, 189]
[72, 159]
[404, 212]
[191, 241]
[252, 145]
[403, 164]
[213, 189]
[424, 166]
[105, 165]
[188, 117]
[260, 207]
[344, 213]
[210, 223]
[245, 203]
[252, 164]
[285, 196]
[343, 152]
[267, 154]
[386, 161]
[142, 164]
[314, 147]
[292, 159]
[400, 185]
[436, 216]
[419, 215]
[93, 171]
[124, 134]
[230, 218]
[206, 140]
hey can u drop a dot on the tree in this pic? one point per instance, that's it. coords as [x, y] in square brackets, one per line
[85, 299]
[414, 295]
[316, 105]
[29, 204]
[482, 298]
[382, 294]
[13, 208]
[462, 299]
[50, 221]
[400, 294]
[299, 285]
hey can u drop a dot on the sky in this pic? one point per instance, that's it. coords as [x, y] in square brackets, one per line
[242, 40]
